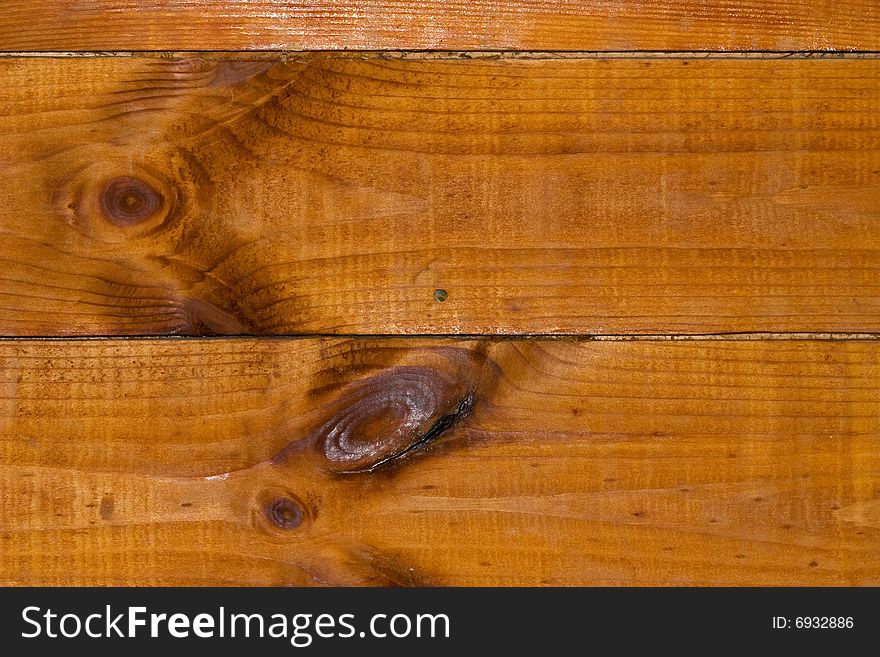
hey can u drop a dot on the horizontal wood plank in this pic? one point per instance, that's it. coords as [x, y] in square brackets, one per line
[440, 24]
[345, 195]
[367, 461]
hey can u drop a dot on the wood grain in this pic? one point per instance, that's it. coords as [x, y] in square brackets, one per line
[440, 24]
[367, 461]
[335, 195]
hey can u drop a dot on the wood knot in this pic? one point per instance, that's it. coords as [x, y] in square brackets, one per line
[126, 200]
[391, 415]
[369, 414]
[285, 513]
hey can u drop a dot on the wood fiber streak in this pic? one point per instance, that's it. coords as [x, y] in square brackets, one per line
[221, 462]
[440, 24]
[339, 195]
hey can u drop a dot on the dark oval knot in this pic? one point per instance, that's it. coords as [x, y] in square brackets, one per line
[127, 200]
[391, 415]
[286, 513]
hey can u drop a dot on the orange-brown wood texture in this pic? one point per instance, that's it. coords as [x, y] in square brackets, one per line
[482, 303]
[412, 461]
[334, 194]
[440, 24]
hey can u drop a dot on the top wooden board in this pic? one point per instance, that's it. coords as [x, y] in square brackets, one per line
[594, 25]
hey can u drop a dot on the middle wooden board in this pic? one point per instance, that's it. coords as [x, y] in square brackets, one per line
[337, 193]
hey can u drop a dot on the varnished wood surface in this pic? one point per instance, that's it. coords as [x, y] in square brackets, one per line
[335, 194]
[555, 462]
[440, 24]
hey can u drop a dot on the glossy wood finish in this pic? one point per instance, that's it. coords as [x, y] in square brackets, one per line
[243, 461]
[440, 24]
[465, 196]
[338, 194]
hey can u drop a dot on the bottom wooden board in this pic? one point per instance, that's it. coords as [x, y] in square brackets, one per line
[423, 462]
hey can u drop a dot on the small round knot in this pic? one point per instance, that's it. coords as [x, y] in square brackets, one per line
[285, 513]
[126, 200]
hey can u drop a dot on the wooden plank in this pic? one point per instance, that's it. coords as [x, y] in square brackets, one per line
[335, 194]
[440, 24]
[240, 461]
